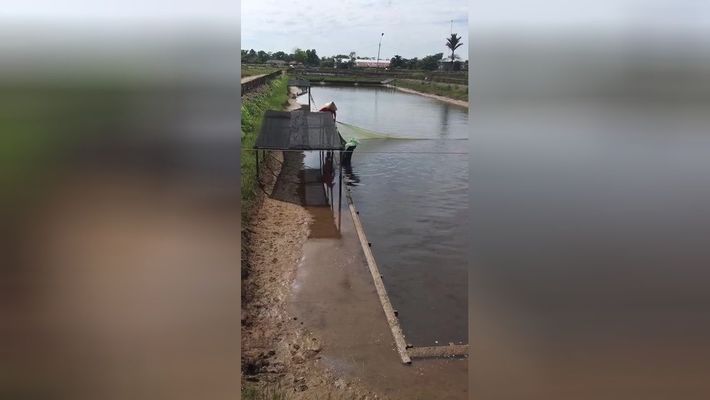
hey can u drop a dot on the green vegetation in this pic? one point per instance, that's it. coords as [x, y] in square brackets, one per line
[458, 92]
[307, 57]
[39, 124]
[250, 393]
[310, 58]
[276, 392]
[442, 84]
[453, 43]
[257, 69]
[253, 109]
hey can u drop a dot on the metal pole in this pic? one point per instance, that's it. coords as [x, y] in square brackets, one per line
[340, 188]
[257, 165]
[377, 66]
[321, 168]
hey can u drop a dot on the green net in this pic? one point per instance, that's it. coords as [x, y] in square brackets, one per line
[356, 132]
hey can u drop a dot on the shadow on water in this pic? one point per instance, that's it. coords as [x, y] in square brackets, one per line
[351, 178]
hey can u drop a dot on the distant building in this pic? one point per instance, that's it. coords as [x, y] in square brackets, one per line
[342, 60]
[276, 63]
[372, 63]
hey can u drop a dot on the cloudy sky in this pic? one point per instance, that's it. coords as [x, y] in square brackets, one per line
[412, 28]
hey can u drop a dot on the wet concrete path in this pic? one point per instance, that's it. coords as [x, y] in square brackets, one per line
[251, 78]
[334, 296]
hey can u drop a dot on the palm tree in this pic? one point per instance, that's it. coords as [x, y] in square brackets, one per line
[454, 42]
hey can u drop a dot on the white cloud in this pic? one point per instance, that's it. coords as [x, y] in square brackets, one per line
[116, 11]
[413, 28]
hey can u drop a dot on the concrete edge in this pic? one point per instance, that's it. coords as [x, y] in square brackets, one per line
[458, 350]
[392, 319]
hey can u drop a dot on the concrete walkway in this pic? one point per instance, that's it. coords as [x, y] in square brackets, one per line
[334, 296]
[251, 78]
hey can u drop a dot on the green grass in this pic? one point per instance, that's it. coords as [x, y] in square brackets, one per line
[39, 124]
[253, 109]
[250, 393]
[256, 69]
[457, 92]
[277, 393]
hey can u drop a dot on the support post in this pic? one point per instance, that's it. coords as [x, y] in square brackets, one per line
[257, 165]
[340, 187]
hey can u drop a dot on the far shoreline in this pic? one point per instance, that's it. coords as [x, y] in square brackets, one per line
[449, 100]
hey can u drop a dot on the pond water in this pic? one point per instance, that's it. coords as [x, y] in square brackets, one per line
[413, 201]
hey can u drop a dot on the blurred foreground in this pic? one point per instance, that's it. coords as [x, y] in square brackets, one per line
[120, 216]
[590, 208]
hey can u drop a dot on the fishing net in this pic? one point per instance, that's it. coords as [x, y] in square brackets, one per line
[356, 132]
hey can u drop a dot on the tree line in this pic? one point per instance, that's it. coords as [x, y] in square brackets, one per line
[310, 58]
[343, 61]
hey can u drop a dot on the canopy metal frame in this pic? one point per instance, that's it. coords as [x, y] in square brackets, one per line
[305, 131]
[302, 83]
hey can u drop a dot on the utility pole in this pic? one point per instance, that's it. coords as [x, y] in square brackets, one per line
[377, 66]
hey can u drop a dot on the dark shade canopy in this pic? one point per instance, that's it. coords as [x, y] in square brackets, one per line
[299, 130]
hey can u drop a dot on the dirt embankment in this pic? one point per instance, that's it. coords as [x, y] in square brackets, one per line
[279, 355]
[272, 342]
[273, 238]
[433, 96]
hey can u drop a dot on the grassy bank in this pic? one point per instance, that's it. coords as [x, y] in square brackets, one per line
[457, 92]
[256, 69]
[41, 125]
[460, 77]
[250, 392]
[253, 109]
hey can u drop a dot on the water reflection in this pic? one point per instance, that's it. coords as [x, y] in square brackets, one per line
[351, 178]
[444, 121]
